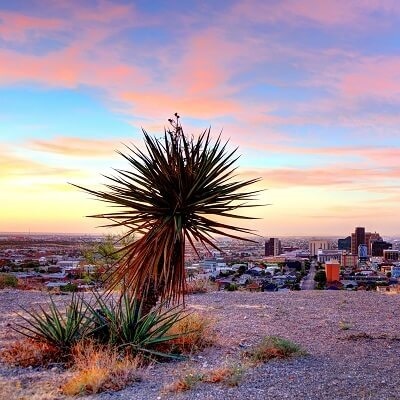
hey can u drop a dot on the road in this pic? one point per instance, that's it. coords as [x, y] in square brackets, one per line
[308, 281]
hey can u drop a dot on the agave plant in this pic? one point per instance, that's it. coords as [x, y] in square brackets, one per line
[61, 329]
[123, 323]
[168, 196]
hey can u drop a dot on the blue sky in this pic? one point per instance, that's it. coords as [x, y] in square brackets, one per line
[310, 92]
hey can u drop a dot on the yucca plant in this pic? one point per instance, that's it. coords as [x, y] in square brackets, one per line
[61, 329]
[122, 323]
[168, 196]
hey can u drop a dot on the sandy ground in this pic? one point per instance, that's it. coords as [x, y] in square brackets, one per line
[352, 340]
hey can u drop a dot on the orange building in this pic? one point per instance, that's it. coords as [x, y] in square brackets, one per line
[332, 271]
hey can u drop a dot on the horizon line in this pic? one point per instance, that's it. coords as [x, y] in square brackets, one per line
[104, 233]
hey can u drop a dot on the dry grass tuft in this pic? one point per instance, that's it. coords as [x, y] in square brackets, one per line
[273, 347]
[196, 334]
[185, 383]
[197, 286]
[228, 375]
[28, 352]
[344, 326]
[100, 368]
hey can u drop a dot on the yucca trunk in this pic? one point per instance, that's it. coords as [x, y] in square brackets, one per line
[161, 267]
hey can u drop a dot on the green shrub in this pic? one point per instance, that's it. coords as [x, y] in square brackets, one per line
[69, 287]
[320, 277]
[7, 280]
[273, 347]
[232, 287]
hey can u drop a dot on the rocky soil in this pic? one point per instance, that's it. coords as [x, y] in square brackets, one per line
[352, 340]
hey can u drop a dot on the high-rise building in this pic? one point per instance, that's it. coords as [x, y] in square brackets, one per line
[316, 245]
[370, 237]
[362, 237]
[344, 244]
[357, 238]
[273, 247]
[377, 247]
[362, 252]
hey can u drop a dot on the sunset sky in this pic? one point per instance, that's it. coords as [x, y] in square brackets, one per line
[309, 91]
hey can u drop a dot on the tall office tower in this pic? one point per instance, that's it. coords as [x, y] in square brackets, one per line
[273, 247]
[377, 247]
[344, 244]
[369, 238]
[316, 245]
[357, 238]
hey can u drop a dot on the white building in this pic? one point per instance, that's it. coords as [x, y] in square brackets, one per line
[328, 255]
[68, 264]
[316, 245]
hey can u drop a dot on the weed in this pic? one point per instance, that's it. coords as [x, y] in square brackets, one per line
[229, 375]
[186, 382]
[273, 347]
[344, 326]
[8, 280]
[197, 286]
[193, 333]
[28, 352]
[99, 368]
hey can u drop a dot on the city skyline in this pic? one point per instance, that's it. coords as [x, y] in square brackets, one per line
[309, 93]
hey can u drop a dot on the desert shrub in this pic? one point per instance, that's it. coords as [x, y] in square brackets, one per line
[273, 347]
[60, 329]
[8, 280]
[197, 286]
[99, 368]
[192, 333]
[29, 352]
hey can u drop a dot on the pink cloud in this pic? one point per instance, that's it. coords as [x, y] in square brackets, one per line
[17, 27]
[373, 77]
[157, 103]
[321, 176]
[80, 147]
[69, 67]
[328, 13]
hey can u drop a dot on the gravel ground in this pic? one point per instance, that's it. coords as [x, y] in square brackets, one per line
[352, 340]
